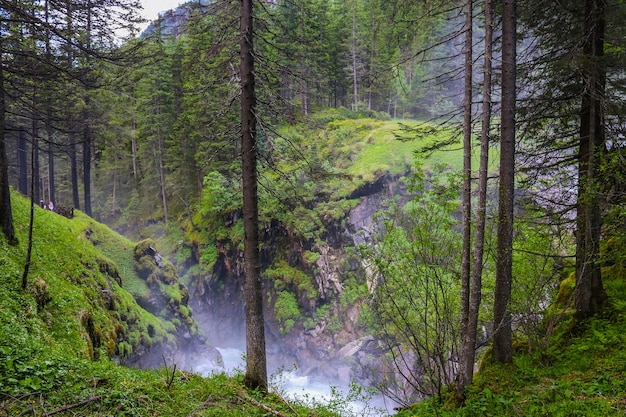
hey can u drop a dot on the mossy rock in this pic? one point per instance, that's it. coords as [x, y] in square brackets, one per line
[40, 290]
[565, 296]
[109, 268]
[145, 247]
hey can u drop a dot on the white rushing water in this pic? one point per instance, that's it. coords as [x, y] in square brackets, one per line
[302, 389]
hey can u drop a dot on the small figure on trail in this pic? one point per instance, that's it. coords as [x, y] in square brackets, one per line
[51, 206]
[42, 204]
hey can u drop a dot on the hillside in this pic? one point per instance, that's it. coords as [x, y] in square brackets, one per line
[61, 338]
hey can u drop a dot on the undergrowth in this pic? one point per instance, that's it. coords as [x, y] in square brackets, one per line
[581, 373]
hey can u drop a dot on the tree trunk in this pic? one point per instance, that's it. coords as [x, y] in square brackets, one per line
[475, 285]
[256, 367]
[6, 214]
[502, 343]
[74, 171]
[31, 220]
[87, 169]
[464, 378]
[161, 169]
[479, 242]
[51, 184]
[589, 294]
[22, 164]
[354, 64]
[36, 168]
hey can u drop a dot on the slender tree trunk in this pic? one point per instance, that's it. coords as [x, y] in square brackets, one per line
[74, 170]
[464, 378]
[133, 142]
[22, 164]
[354, 63]
[589, 294]
[34, 145]
[6, 214]
[51, 184]
[502, 343]
[256, 362]
[87, 168]
[161, 168]
[36, 168]
[87, 139]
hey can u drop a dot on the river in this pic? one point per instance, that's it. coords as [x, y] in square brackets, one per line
[347, 401]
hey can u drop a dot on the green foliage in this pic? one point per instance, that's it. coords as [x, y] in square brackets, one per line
[285, 276]
[286, 311]
[353, 292]
[415, 261]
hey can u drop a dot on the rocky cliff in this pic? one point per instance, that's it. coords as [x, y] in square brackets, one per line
[327, 340]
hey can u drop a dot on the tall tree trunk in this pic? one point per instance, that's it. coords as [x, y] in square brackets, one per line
[22, 164]
[74, 170]
[589, 294]
[36, 168]
[502, 342]
[464, 378]
[87, 168]
[161, 169]
[51, 184]
[6, 214]
[256, 362]
[475, 285]
[354, 63]
[87, 124]
[481, 214]
[133, 142]
[33, 155]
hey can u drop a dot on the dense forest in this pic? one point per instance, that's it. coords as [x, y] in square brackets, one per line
[433, 184]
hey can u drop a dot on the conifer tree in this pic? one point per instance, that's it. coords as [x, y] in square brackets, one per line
[256, 367]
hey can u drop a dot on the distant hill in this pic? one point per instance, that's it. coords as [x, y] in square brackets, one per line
[170, 22]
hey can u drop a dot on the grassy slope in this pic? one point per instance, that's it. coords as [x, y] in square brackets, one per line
[49, 357]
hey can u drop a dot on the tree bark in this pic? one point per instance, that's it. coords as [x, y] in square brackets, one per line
[256, 367]
[51, 183]
[502, 343]
[589, 293]
[475, 286]
[74, 171]
[87, 168]
[354, 63]
[161, 169]
[6, 214]
[36, 169]
[464, 377]
[22, 164]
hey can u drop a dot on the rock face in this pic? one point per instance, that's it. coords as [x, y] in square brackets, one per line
[167, 298]
[335, 349]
